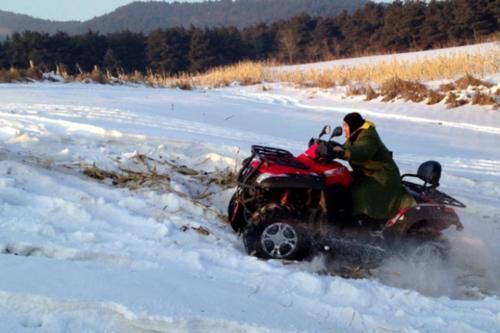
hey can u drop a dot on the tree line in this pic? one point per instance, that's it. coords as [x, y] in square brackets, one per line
[374, 28]
[147, 16]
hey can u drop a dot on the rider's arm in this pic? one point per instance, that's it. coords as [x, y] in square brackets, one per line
[363, 149]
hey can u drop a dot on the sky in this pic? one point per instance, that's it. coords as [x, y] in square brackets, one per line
[66, 10]
[63, 10]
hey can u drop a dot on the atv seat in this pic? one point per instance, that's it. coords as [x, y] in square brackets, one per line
[429, 172]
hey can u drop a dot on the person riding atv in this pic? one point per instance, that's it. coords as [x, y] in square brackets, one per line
[290, 207]
[377, 192]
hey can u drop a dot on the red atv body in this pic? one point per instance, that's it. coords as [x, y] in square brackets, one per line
[287, 206]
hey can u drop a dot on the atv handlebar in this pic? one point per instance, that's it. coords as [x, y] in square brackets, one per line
[325, 150]
[319, 141]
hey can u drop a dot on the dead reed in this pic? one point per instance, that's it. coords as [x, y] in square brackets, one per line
[435, 68]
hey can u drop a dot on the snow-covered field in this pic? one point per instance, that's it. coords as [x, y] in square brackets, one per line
[407, 57]
[78, 255]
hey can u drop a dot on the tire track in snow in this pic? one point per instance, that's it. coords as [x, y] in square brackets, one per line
[57, 252]
[296, 102]
[50, 115]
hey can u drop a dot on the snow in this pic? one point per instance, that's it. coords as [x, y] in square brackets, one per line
[79, 255]
[407, 57]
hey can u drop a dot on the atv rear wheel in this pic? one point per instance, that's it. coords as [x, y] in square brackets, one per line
[275, 232]
[429, 251]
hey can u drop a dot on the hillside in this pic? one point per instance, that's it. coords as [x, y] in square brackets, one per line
[147, 16]
[10, 22]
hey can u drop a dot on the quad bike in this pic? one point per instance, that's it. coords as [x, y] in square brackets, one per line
[289, 208]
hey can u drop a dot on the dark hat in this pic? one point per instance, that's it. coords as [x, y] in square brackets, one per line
[354, 121]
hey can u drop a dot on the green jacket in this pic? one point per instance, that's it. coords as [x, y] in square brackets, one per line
[376, 190]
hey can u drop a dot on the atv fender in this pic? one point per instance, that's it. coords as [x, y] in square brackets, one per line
[434, 218]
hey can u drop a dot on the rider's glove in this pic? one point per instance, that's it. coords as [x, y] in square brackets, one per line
[339, 152]
[329, 151]
[325, 151]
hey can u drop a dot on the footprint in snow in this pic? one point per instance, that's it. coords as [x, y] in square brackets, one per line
[28, 250]
[31, 323]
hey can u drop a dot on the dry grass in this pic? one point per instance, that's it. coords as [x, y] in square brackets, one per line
[370, 93]
[151, 179]
[264, 87]
[447, 87]
[97, 75]
[20, 75]
[135, 77]
[34, 74]
[128, 179]
[364, 89]
[9, 76]
[356, 90]
[453, 101]
[435, 68]
[244, 73]
[434, 97]
[468, 80]
[408, 90]
[483, 99]
[183, 85]
[477, 92]
[247, 73]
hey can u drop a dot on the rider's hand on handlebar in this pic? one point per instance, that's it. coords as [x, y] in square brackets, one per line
[312, 141]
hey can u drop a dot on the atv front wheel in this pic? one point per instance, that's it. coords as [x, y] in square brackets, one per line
[274, 232]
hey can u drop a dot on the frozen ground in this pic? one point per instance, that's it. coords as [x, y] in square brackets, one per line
[84, 256]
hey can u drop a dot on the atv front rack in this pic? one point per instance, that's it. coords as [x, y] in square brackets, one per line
[277, 156]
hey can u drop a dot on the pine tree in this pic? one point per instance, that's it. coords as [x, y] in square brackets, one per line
[434, 29]
[202, 54]
[362, 29]
[228, 44]
[473, 18]
[493, 8]
[90, 49]
[17, 51]
[111, 63]
[260, 41]
[129, 49]
[395, 30]
[413, 18]
[63, 51]
[167, 51]
[487, 18]
[325, 40]
[3, 56]
[295, 37]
